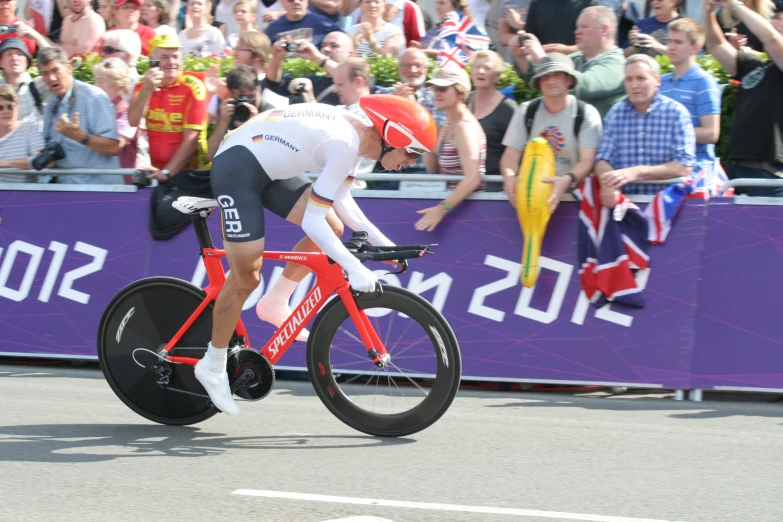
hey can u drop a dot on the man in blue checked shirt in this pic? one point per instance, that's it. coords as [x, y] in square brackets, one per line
[646, 136]
[696, 89]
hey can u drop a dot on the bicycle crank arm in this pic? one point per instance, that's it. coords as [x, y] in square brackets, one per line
[246, 376]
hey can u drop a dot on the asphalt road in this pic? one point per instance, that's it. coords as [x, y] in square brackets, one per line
[70, 450]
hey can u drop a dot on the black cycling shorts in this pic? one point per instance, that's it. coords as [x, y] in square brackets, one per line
[243, 189]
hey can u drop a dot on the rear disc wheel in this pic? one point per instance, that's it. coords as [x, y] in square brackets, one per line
[147, 314]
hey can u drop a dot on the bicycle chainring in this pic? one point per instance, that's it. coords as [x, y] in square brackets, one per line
[262, 375]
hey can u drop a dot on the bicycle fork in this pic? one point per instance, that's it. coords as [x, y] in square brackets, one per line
[375, 349]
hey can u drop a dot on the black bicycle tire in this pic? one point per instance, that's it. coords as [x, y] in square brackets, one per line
[321, 334]
[123, 295]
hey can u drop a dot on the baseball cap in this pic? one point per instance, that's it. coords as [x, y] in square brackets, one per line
[450, 76]
[118, 3]
[16, 43]
[553, 62]
[164, 41]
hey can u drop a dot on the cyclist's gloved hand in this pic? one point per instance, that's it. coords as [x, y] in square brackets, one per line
[362, 279]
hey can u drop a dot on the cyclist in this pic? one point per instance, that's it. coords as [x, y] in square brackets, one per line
[261, 165]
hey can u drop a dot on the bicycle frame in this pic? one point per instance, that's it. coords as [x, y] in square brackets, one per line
[329, 280]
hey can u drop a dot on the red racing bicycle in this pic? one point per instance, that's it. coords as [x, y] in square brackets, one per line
[386, 363]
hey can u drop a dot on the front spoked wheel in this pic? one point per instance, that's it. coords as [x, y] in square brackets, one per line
[415, 388]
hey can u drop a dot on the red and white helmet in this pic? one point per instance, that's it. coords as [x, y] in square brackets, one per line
[402, 123]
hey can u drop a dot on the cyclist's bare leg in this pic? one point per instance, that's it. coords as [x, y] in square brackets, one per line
[245, 260]
[274, 307]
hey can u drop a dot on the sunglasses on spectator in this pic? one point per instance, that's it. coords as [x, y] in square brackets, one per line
[8, 107]
[108, 49]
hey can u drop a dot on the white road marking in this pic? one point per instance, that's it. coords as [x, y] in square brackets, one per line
[440, 507]
[360, 519]
[28, 374]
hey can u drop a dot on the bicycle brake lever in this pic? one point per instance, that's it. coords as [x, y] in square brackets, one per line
[403, 265]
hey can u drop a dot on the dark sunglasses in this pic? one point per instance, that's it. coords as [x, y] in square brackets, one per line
[8, 107]
[108, 49]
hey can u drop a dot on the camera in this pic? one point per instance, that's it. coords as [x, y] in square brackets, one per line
[154, 63]
[522, 38]
[8, 29]
[51, 152]
[241, 112]
[140, 179]
[292, 47]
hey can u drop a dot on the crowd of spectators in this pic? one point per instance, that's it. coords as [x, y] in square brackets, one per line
[604, 108]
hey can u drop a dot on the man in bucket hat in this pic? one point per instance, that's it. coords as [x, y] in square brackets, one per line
[15, 59]
[572, 128]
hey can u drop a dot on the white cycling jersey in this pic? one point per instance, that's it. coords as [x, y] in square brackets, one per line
[312, 137]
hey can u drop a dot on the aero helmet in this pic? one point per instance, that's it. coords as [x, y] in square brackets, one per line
[402, 123]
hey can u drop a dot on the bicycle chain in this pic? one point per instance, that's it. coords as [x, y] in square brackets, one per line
[186, 392]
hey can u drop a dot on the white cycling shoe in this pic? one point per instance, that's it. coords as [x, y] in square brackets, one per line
[277, 315]
[217, 387]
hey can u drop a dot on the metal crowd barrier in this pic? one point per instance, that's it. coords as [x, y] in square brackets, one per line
[750, 182]
[63, 187]
[391, 176]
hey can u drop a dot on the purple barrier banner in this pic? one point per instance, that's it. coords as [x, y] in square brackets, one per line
[65, 255]
[739, 342]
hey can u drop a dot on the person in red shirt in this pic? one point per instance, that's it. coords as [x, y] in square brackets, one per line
[175, 107]
[32, 39]
[127, 14]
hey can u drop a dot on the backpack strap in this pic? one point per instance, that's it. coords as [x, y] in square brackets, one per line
[580, 117]
[36, 97]
[532, 108]
[530, 114]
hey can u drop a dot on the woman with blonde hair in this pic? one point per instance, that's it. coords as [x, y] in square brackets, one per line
[491, 107]
[245, 18]
[112, 76]
[737, 33]
[461, 147]
[375, 35]
[201, 37]
[20, 141]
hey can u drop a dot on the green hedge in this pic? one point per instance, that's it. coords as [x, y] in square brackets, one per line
[384, 69]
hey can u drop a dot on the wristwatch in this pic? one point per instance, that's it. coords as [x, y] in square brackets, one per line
[574, 183]
[167, 173]
[86, 140]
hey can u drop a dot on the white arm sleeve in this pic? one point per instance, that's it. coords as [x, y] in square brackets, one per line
[350, 214]
[342, 159]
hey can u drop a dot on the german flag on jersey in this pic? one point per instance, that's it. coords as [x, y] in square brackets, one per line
[320, 201]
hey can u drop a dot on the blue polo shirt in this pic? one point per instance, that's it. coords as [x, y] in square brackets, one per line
[320, 25]
[700, 94]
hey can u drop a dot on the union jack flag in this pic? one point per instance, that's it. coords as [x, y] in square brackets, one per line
[460, 30]
[706, 180]
[451, 55]
[612, 248]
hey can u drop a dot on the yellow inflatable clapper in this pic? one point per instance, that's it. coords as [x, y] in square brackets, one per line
[533, 212]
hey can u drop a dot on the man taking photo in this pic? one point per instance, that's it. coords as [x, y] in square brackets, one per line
[245, 102]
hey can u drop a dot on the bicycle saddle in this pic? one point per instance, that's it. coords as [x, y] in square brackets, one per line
[190, 205]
